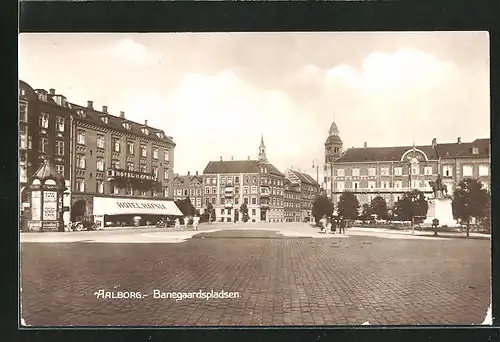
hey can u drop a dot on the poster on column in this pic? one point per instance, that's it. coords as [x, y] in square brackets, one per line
[50, 206]
[36, 210]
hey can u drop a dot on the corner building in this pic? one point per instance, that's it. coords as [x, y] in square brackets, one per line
[117, 158]
[189, 186]
[308, 189]
[258, 183]
[391, 171]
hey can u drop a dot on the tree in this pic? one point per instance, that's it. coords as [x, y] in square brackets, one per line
[413, 203]
[379, 207]
[470, 200]
[366, 212]
[321, 206]
[244, 212]
[186, 207]
[211, 212]
[348, 205]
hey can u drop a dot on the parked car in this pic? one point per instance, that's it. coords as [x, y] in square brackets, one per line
[82, 225]
[166, 222]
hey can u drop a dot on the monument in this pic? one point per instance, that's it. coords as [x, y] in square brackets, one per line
[440, 206]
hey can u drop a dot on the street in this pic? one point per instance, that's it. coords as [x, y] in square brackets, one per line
[282, 278]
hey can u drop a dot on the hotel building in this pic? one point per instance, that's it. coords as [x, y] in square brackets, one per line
[391, 171]
[257, 183]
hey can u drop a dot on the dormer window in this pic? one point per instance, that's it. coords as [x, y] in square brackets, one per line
[145, 131]
[160, 135]
[104, 119]
[42, 96]
[475, 150]
[126, 125]
[81, 113]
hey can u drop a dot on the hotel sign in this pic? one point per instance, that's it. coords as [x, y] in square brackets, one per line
[126, 206]
[142, 205]
[133, 175]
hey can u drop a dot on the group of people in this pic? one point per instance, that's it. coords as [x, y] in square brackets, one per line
[196, 222]
[331, 224]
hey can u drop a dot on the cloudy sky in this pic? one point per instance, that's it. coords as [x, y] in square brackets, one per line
[217, 93]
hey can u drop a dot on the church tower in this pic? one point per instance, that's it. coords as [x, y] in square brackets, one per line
[333, 144]
[262, 150]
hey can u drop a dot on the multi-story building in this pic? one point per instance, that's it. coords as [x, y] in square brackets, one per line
[257, 183]
[309, 190]
[189, 186]
[44, 131]
[391, 171]
[117, 157]
[292, 201]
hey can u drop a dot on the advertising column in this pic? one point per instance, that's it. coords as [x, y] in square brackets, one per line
[49, 211]
[36, 211]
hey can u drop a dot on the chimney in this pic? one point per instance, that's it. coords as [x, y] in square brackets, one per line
[220, 158]
[52, 91]
[459, 140]
[189, 173]
[145, 122]
[90, 104]
[365, 145]
[105, 109]
[196, 173]
[122, 114]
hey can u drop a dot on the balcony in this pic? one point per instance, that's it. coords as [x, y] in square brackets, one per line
[264, 205]
[265, 194]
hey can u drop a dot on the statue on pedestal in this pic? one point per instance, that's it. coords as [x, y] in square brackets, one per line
[439, 188]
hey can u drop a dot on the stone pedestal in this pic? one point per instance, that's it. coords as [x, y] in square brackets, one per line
[440, 208]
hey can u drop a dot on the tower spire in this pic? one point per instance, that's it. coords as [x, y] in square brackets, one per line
[262, 150]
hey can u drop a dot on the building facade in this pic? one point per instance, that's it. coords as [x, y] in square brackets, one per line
[391, 171]
[117, 157]
[259, 184]
[189, 186]
[292, 201]
[44, 133]
[309, 189]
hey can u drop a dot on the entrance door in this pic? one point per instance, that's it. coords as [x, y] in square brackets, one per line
[236, 215]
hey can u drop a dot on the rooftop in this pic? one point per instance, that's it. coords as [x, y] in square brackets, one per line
[238, 166]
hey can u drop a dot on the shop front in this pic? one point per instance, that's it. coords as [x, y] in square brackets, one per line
[113, 211]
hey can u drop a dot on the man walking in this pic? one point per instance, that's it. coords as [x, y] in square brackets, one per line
[196, 219]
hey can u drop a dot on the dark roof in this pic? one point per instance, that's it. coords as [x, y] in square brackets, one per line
[114, 122]
[333, 139]
[447, 150]
[186, 178]
[48, 171]
[238, 166]
[304, 178]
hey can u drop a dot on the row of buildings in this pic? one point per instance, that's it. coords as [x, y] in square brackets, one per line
[110, 164]
[391, 171]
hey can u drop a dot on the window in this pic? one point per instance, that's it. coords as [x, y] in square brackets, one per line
[254, 200]
[340, 172]
[104, 119]
[30, 142]
[236, 200]
[60, 124]
[191, 192]
[398, 184]
[254, 190]
[44, 143]
[113, 189]
[22, 140]
[155, 152]
[198, 202]
[340, 186]
[100, 164]
[253, 212]
[80, 184]
[475, 150]
[80, 161]
[130, 147]
[384, 171]
[428, 170]
[372, 171]
[371, 184]
[222, 201]
[198, 192]
[245, 200]
[222, 211]
[142, 168]
[130, 166]
[155, 171]
[100, 187]
[385, 185]
[129, 191]
[115, 163]
[355, 185]
[213, 200]
[447, 171]
[236, 180]
[207, 189]
[245, 190]
[398, 171]
[214, 190]
[43, 120]
[165, 191]
[144, 152]
[166, 155]
[254, 180]
[467, 171]
[101, 142]
[355, 172]
[126, 125]
[80, 137]
[414, 183]
[23, 112]
[60, 148]
[165, 174]
[415, 169]
[484, 170]
[160, 135]
[60, 169]
[116, 144]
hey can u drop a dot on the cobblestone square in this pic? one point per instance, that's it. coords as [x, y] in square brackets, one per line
[280, 281]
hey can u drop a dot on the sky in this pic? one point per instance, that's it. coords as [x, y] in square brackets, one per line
[216, 93]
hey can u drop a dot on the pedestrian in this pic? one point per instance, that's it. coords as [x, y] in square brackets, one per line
[333, 226]
[323, 223]
[186, 220]
[195, 222]
[177, 223]
[342, 226]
